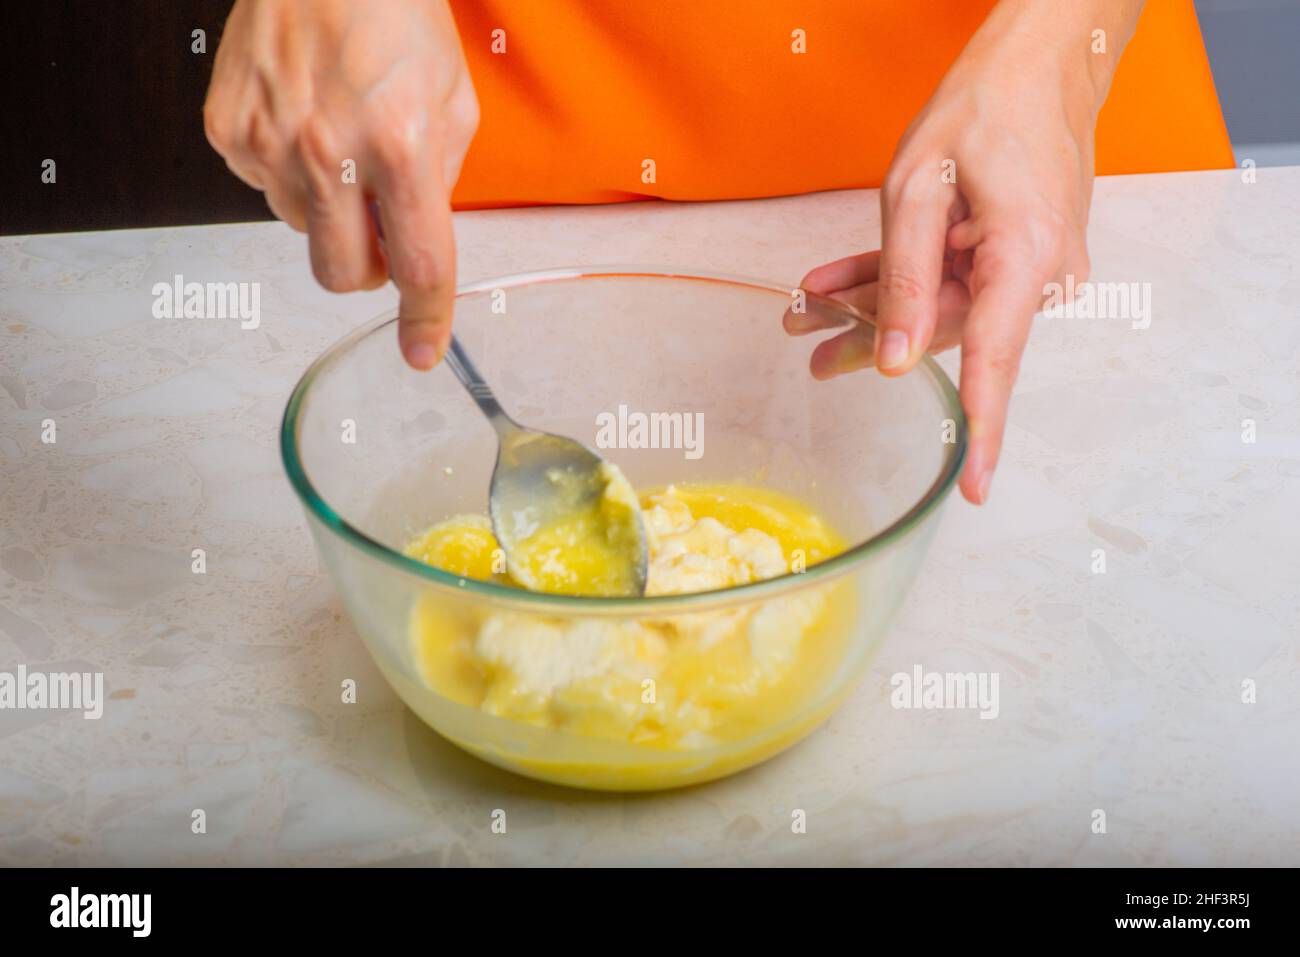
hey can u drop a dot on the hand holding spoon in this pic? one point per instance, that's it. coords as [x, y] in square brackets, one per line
[567, 520]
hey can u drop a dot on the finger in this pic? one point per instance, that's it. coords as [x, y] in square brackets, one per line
[865, 298]
[914, 229]
[262, 145]
[1006, 295]
[954, 309]
[288, 201]
[420, 248]
[861, 298]
[850, 280]
[246, 169]
[847, 352]
[228, 135]
[813, 317]
[814, 320]
[855, 349]
[841, 280]
[965, 234]
[842, 273]
[953, 300]
[963, 264]
[345, 252]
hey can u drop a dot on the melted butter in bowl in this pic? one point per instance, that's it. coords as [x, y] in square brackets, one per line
[681, 682]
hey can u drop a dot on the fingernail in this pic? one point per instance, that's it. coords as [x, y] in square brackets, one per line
[423, 356]
[985, 480]
[893, 349]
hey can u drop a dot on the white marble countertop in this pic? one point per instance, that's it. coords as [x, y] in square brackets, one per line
[1120, 692]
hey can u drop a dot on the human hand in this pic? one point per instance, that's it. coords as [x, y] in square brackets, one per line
[985, 202]
[303, 92]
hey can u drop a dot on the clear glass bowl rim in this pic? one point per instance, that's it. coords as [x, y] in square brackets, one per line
[543, 602]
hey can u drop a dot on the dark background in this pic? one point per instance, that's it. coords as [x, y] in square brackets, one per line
[110, 90]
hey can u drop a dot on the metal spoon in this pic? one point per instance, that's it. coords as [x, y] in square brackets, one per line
[524, 494]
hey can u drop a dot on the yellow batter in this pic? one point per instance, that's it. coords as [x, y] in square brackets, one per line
[681, 682]
[584, 551]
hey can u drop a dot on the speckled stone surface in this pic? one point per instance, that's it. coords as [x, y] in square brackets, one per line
[1119, 691]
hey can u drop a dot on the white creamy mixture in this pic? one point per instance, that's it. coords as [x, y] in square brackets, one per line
[597, 672]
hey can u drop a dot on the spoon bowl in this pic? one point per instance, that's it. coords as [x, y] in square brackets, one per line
[544, 481]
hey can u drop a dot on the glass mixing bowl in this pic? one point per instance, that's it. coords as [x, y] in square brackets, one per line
[378, 452]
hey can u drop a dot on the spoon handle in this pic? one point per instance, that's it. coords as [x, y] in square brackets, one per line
[463, 367]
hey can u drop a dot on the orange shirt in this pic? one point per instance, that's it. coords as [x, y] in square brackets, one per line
[587, 90]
